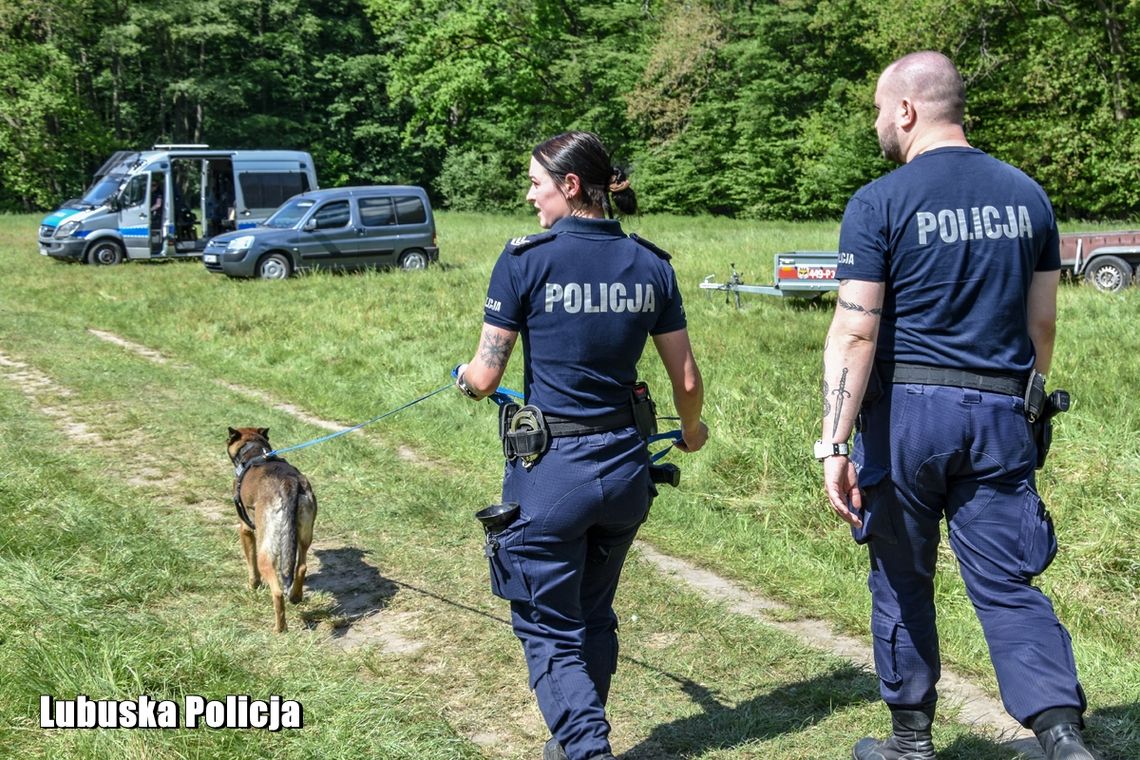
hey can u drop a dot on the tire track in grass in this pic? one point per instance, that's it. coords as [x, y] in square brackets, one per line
[975, 708]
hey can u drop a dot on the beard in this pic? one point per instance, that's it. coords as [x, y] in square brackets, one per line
[889, 144]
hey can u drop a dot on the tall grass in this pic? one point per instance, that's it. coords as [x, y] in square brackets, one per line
[102, 583]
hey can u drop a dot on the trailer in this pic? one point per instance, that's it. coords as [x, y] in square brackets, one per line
[797, 274]
[1109, 261]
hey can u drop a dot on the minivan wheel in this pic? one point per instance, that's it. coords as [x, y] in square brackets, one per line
[105, 253]
[414, 260]
[275, 266]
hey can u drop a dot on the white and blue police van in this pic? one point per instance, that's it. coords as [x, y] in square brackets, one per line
[169, 201]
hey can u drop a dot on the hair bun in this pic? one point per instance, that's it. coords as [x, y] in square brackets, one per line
[618, 181]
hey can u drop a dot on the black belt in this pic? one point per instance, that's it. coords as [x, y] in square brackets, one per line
[980, 380]
[561, 427]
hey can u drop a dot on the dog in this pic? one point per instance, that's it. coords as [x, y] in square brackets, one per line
[283, 508]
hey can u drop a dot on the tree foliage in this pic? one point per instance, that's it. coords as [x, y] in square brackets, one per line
[721, 106]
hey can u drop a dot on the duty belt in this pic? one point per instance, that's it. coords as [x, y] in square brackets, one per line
[526, 431]
[603, 423]
[980, 380]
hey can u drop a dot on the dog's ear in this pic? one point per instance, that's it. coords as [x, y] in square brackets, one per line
[234, 435]
[264, 433]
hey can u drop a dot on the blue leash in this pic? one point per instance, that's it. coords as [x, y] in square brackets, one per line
[339, 433]
[500, 396]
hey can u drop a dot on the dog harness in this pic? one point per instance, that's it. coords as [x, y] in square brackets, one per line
[241, 467]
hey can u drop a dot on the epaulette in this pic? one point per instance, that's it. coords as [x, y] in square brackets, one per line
[645, 243]
[526, 242]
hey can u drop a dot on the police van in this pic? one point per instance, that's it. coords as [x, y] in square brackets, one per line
[168, 202]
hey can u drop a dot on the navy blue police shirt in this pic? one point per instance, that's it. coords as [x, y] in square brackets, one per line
[957, 235]
[584, 297]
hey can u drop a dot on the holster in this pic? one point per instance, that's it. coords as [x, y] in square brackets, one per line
[644, 410]
[1042, 427]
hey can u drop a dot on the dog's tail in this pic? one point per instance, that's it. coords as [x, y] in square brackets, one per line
[283, 535]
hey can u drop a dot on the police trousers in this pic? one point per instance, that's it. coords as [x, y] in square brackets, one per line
[925, 452]
[558, 564]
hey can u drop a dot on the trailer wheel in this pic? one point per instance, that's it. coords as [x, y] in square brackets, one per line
[1109, 274]
[275, 266]
[105, 253]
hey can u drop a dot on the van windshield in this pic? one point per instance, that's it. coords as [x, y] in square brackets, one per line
[103, 189]
[289, 214]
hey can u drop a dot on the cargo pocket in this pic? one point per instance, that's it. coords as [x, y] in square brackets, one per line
[1037, 542]
[507, 581]
[878, 506]
[885, 634]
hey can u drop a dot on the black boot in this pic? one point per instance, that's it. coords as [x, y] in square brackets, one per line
[1059, 732]
[1064, 742]
[552, 750]
[910, 738]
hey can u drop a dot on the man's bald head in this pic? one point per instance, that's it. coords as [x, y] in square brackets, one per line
[931, 81]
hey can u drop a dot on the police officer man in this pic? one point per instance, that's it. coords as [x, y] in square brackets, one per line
[948, 270]
[585, 297]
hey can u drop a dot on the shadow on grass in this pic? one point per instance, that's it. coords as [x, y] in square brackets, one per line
[358, 589]
[1117, 726]
[788, 709]
[784, 710]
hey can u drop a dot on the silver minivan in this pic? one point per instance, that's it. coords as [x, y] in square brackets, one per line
[168, 202]
[335, 228]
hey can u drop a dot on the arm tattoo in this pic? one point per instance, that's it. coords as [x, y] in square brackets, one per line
[840, 393]
[495, 350]
[856, 307]
[826, 402]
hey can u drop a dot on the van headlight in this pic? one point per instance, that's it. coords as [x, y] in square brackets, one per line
[67, 229]
[237, 245]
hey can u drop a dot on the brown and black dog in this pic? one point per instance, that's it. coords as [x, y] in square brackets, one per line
[281, 509]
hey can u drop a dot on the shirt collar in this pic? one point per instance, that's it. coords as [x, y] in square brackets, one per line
[587, 225]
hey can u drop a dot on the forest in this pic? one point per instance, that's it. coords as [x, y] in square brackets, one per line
[740, 108]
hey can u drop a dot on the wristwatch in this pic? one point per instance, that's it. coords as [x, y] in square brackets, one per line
[461, 383]
[825, 450]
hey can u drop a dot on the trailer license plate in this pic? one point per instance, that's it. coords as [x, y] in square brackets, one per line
[210, 258]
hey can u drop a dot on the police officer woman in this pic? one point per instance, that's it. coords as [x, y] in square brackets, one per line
[585, 297]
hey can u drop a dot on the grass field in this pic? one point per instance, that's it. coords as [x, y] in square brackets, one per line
[121, 572]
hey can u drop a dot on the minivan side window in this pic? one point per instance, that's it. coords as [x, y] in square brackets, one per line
[376, 212]
[410, 209]
[330, 215]
[271, 189]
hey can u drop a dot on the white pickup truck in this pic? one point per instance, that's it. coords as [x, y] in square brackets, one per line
[1109, 261]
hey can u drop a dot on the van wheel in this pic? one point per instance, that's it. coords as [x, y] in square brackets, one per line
[1109, 274]
[275, 266]
[105, 253]
[413, 260]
